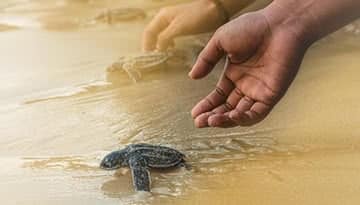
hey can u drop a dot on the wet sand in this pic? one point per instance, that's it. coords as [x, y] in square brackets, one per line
[59, 114]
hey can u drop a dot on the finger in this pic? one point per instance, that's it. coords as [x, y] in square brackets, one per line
[230, 103]
[241, 119]
[256, 113]
[234, 98]
[166, 37]
[223, 108]
[254, 86]
[235, 95]
[202, 120]
[154, 28]
[244, 105]
[220, 120]
[207, 59]
[215, 98]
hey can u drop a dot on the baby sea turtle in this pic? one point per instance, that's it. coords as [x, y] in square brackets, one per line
[112, 16]
[141, 157]
[135, 65]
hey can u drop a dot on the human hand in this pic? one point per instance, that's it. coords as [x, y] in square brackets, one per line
[262, 61]
[184, 19]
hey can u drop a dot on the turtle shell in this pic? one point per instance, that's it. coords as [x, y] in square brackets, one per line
[157, 156]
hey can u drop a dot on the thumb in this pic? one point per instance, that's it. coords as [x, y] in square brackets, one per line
[207, 59]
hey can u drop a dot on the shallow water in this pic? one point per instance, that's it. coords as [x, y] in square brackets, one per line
[60, 113]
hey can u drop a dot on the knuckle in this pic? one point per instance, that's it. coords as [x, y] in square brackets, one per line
[228, 106]
[248, 100]
[220, 91]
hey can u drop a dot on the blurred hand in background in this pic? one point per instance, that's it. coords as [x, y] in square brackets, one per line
[184, 19]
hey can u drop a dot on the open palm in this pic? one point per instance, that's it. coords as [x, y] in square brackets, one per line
[262, 60]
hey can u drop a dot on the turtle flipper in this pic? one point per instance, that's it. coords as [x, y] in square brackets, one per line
[140, 173]
[132, 72]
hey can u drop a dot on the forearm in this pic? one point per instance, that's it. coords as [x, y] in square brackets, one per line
[311, 20]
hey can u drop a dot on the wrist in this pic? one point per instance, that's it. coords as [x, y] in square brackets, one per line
[311, 20]
[294, 17]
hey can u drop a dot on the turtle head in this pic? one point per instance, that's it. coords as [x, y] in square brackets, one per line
[114, 160]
